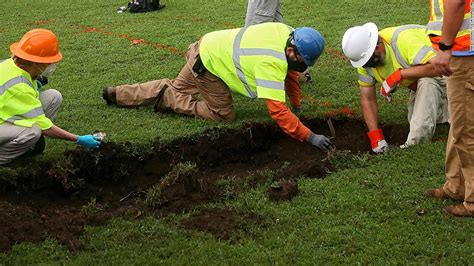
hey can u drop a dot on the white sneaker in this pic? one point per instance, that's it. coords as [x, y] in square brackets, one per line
[405, 145]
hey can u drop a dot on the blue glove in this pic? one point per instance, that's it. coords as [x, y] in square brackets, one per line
[88, 141]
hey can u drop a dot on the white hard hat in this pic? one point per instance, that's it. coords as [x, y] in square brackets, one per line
[359, 43]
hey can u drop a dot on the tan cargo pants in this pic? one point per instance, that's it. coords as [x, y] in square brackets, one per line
[16, 140]
[427, 106]
[181, 94]
[460, 147]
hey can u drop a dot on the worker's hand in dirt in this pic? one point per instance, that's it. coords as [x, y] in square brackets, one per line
[321, 142]
[88, 141]
[390, 84]
[382, 147]
[377, 141]
[297, 110]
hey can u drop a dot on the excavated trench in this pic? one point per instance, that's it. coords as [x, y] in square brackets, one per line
[90, 188]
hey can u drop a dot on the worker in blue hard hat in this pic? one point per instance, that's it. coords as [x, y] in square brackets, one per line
[251, 61]
[261, 11]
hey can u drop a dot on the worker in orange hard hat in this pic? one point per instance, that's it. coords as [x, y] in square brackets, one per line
[26, 110]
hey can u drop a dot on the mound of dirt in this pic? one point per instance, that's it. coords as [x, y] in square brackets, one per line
[121, 182]
[223, 224]
[286, 190]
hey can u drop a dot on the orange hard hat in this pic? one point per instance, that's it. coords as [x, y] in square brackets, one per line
[38, 45]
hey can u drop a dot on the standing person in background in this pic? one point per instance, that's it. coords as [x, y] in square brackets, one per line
[26, 110]
[261, 11]
[450, 30]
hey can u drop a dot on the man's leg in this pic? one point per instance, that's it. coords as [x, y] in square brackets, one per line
[51, 100]
[260, 11]
[454, 186]
[140, 94]
[16, 140]
[424, 110]
[461, 99]
[181, 96]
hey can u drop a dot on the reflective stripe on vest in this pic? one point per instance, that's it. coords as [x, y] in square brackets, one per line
[366, 79]
[421, 55]
[14, 81]
[270, 84]
[438, 25]
[396, 49]
[239, 52]
[29, 115]
[464, 40]
[371, 73]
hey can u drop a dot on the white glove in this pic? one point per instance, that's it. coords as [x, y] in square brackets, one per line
[381, 147]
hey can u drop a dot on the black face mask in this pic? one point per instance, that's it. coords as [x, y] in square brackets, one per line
[296, 65]
[374, 61]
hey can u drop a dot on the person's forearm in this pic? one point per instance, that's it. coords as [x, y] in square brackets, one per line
[420, 71]
[452, 20]
[368, 101]
[288, 122]
[59, 133]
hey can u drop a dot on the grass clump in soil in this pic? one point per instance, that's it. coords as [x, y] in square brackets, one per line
[180, 173]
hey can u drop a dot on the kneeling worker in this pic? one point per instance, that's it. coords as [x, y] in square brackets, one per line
[397, 56]
[251, 61]
[25, 110]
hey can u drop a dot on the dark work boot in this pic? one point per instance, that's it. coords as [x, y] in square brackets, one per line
[39, 147]
[109, 95]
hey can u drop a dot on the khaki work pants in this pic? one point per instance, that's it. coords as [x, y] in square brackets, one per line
[181, 94]
[460, 147]
[427, 106]
[16, 140]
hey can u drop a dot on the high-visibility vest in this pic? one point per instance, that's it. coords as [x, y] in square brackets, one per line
[434, 27]
[251, 61]
[19, 98]
[405, 46]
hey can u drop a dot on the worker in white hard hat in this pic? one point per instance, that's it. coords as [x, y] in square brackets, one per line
[397, 57]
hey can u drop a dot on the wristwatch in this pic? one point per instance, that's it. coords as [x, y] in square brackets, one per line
[444, 47]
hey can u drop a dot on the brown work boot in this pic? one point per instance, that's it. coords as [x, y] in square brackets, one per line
[458, 211]
[109, 95]
[437, 193]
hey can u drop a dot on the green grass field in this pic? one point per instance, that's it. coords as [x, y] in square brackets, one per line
[365, 214]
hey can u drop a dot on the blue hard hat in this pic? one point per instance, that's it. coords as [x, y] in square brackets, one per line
[310, 44]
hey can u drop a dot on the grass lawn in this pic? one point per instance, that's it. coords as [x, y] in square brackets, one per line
[372, 211]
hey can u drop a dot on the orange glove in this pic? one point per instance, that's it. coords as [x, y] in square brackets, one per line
[390, 84]
[377, 141]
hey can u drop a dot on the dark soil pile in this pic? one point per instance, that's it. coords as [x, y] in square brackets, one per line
[91, 187]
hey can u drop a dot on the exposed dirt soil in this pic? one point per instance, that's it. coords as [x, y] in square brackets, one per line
[285, 190]
[92, 187]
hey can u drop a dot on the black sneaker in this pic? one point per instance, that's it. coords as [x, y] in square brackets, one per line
[108, 94]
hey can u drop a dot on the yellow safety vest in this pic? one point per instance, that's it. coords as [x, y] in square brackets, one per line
[405, 46]
[463, 40]
[19, 98]
[251, 60]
